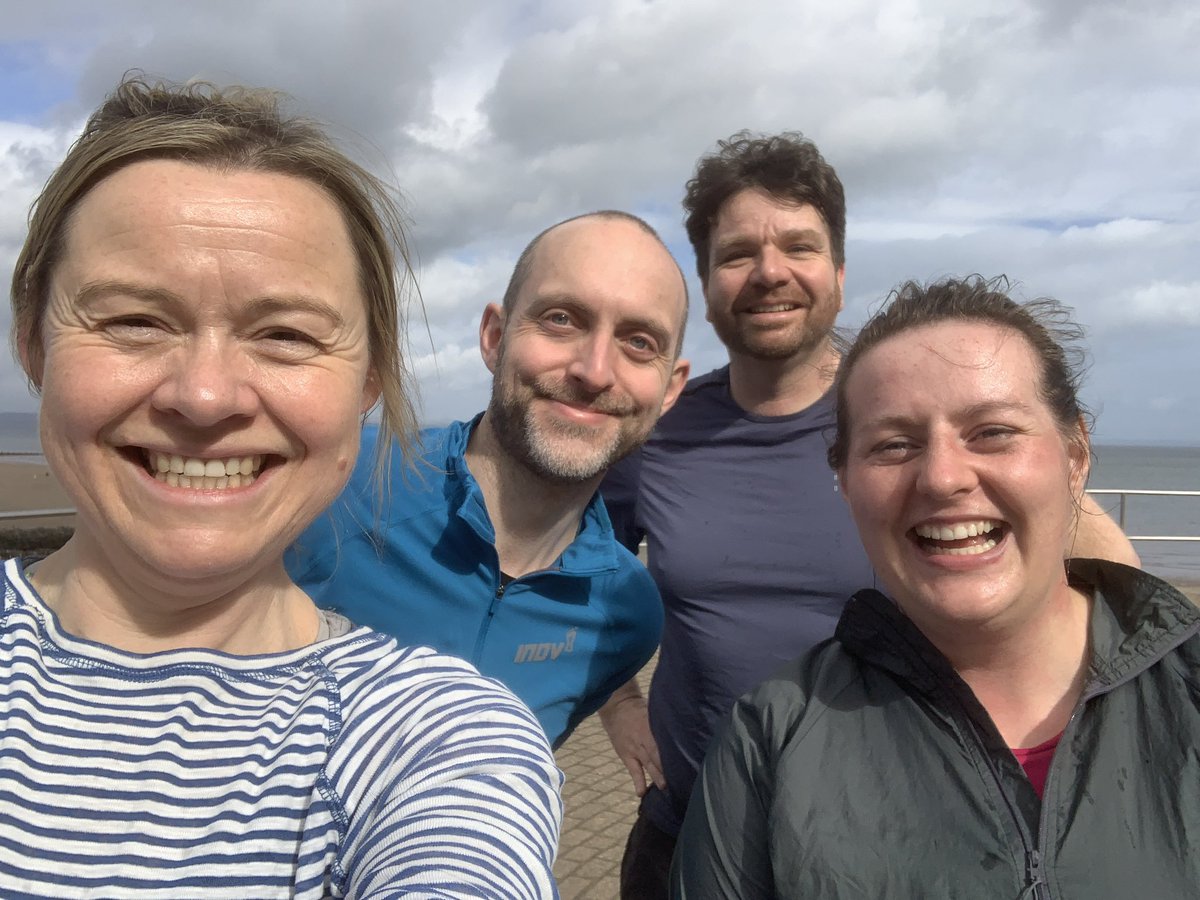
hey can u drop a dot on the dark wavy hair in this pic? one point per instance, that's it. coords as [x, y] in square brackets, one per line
[1045, 323]
[787, 166]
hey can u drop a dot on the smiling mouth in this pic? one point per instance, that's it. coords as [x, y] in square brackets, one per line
[772, 308]
[203, 474]
[960, 539]
[602, 404]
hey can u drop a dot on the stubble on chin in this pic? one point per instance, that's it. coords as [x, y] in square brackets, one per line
[558, 451]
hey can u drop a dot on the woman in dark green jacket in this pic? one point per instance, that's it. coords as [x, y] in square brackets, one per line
[1001, 726]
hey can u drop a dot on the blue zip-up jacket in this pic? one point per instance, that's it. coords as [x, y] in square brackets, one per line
[423, 567]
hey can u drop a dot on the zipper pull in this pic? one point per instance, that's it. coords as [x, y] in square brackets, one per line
[1033, 871]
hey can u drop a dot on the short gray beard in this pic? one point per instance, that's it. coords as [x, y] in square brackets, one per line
[520, 438]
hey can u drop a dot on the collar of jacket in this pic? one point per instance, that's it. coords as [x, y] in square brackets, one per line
[594, 550]
[1136, 620]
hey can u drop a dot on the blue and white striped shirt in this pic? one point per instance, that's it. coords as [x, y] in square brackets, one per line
[348, 768]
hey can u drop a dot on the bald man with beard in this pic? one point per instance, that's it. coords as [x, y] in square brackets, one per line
[494, 545]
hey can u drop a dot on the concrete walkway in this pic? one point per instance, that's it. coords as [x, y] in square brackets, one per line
[598, 810]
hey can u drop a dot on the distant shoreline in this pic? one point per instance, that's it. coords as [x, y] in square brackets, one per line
[30, 485]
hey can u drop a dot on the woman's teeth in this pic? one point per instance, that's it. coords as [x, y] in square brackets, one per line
[972, 550]
[968, 538]
[204, 474]
[955, 532]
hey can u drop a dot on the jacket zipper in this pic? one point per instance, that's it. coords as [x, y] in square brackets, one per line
[1035, 879]
[1037, 888]
[487, 623]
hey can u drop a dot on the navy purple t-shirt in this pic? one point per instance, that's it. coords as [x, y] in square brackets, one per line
[753, 551]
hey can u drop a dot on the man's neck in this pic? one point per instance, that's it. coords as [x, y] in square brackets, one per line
[782, 387]
[535, 520]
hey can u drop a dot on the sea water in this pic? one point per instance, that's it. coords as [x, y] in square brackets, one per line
[1115, 466]
[1155, 468]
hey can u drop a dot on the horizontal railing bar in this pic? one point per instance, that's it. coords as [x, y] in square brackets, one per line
[1159, 537]
[36, 513]
[1150, 493]
[56, 513]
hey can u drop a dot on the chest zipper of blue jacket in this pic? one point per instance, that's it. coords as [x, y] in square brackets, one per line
[1035, 861]
[501, 587]
[486, 625]
[1036, 887]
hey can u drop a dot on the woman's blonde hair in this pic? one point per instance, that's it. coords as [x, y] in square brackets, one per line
[233, 128]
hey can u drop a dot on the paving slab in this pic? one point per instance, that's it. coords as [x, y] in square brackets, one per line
[599, 807]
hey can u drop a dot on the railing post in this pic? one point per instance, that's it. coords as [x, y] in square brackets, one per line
[1121, 520]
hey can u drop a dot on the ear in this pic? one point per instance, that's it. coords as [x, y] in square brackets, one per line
[675, 382]
[371, 391]
[1079, 453]
[491, 332]
[841, 283]
[839, 475]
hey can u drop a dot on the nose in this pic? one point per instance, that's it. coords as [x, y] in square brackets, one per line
[206, 382]
[946, 469]
[770, 268]
[592, 366]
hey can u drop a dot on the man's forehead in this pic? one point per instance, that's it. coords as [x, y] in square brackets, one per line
[755, 207]
[607, 252]
[586, 234]
[609, 268]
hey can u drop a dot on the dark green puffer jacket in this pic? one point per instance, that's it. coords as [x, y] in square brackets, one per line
[868, 769]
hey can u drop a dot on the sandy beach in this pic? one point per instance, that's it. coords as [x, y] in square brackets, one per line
[28, 486]
[25, 485]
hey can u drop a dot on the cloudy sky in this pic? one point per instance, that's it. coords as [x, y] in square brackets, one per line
[1055, 141]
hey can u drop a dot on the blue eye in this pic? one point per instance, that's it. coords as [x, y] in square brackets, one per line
[641, 342]
[893, 449]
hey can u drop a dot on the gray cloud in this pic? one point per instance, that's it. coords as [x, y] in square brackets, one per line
[1053, 141]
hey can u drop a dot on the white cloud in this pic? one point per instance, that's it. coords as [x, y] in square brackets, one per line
[1053, 140]
[1117, 231]
[1167, 303]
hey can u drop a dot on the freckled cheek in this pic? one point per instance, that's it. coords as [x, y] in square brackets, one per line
[327, 421]
[81, 394]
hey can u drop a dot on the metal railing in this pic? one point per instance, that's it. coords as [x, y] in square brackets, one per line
[1126, 493]
[1123, 493]
[35, 514]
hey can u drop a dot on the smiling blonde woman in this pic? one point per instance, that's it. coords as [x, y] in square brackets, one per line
[207, 304]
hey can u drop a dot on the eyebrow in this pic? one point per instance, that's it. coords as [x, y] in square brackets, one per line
[96, 291]
[813, 235]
